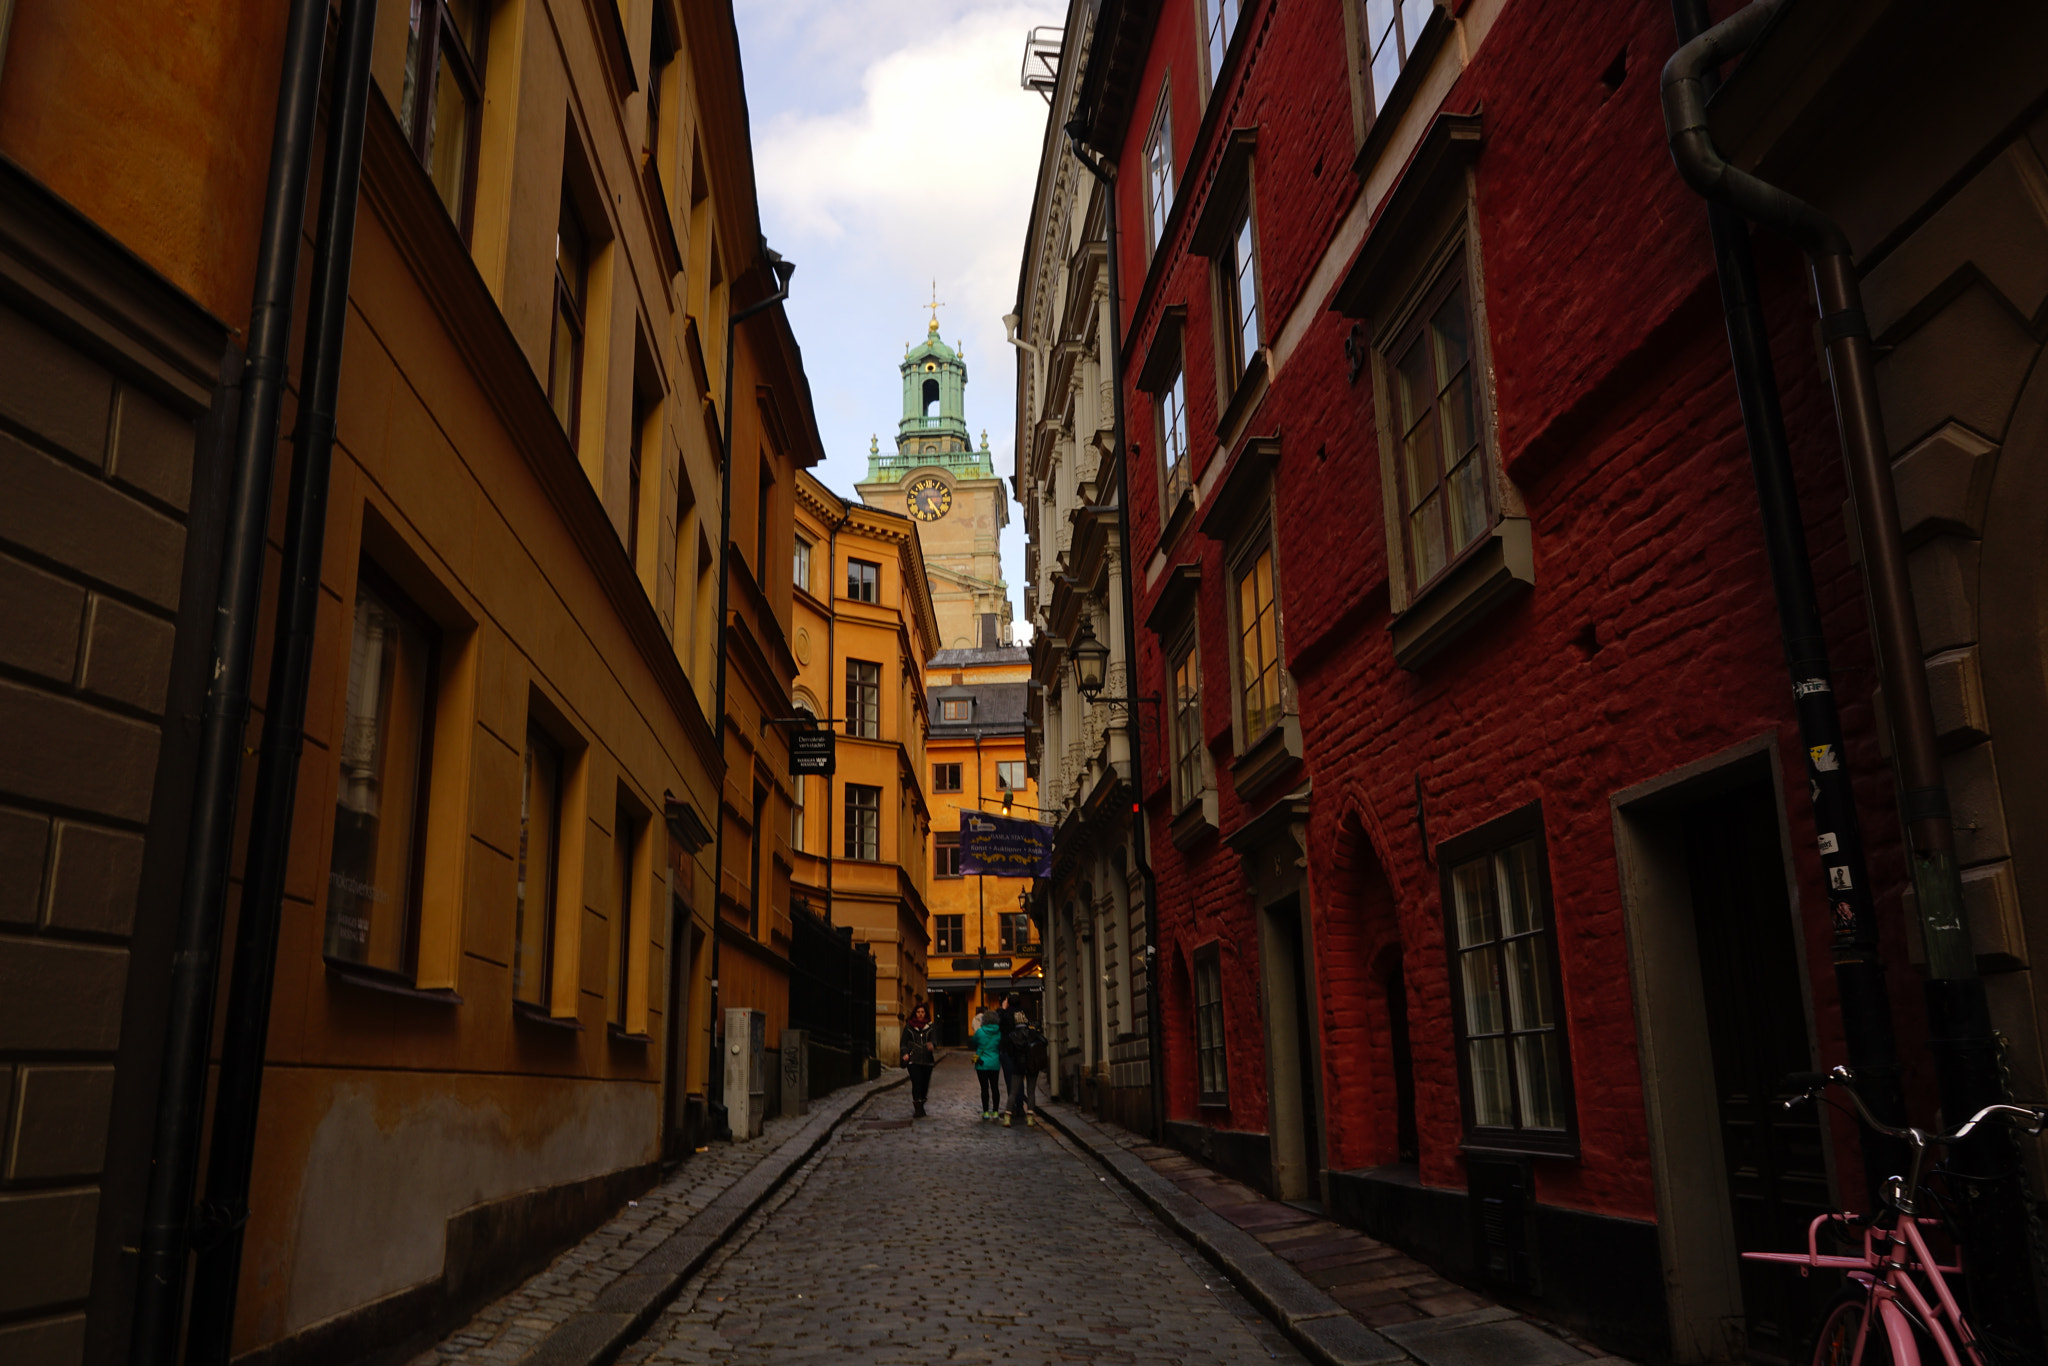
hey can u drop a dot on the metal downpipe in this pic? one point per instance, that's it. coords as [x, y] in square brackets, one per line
[237, 1101]
[1959, 1025]
[188, 1020]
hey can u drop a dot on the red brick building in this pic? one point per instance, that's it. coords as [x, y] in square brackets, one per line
[1488, 906]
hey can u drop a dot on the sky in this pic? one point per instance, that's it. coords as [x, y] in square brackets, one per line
[895, 148]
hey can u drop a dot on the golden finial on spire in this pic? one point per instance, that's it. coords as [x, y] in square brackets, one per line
[935, 305]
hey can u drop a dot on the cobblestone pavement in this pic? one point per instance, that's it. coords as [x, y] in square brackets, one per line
[955, 1240]
[507, 1329]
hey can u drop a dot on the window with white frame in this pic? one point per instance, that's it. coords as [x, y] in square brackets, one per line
[1219, 21]
[864, 699]
[1212, 1071]
[1513, 1062]
[1439, 431]
[801, 571]
[1391, 30]
[1184, 703]
[1159, 170]
[1256, 622]
[1173, 437]
[1239, 270]
[863, 822]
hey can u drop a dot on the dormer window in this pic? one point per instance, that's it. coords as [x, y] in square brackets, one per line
[956, 709]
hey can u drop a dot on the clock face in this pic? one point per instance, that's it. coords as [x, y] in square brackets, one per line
[929, 499]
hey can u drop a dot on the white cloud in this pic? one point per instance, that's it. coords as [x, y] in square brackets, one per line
[922, 169]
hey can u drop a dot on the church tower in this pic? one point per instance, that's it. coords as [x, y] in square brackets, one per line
[938, 477]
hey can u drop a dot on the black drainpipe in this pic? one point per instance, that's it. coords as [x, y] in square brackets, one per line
[225, 1210]
[1989, 1196]
[1859, 971]
[188, 1020]
[781, 270]
[1104, 170]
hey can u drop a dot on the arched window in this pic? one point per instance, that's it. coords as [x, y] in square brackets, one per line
[931, 398]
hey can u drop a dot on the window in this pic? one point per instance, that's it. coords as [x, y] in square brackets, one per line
[1173, 438]
[1445, 502]
[1010, 775]
[380, 805]
[863, 821]
[956, 709]
[1258, 642]
[863, 581]
[1503, 970]
[565, 343]
[757, 870]
[1219, 17]
[952, 933]
[796, 812]
[1211, 1069]
[443, 89]
[1391, 30]
[633, 443]
[763, 514]
[1015, 930]
[1239, 265]
[946, 854]
[945, 777]
[1185, 720]
[801, 571]
[661, 54]
[1159, 170]
[540, 836]
[863, 699]
[625, 845]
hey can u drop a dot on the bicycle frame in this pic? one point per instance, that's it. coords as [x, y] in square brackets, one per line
[1887, 1272]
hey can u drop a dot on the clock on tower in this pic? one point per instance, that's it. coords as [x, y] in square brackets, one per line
[929, 498]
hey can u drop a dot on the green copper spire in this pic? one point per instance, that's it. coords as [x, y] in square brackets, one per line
[933, 430]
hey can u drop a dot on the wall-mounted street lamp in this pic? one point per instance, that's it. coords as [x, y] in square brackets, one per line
[1091, 662]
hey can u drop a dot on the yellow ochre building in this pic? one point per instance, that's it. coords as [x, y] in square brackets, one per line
[982, 942]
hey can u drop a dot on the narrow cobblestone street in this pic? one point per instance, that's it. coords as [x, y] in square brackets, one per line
[955, 1240]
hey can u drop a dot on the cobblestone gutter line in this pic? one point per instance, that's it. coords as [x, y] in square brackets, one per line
[596, 1297]
[1320, 1327]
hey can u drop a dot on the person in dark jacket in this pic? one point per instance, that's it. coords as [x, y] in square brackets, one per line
[1024, 1051]
[920, 1038]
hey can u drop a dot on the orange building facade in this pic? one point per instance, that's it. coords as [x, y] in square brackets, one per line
[864, 626]
[495, 985]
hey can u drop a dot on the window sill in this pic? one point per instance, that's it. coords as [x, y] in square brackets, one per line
[540, 1015]
[1499, 1144]
[1214, 1102]
[1196, 821]
[618, 1033]
[1501, 567]
[389, 983]
[1179, 514]
[1271, 755]
[1251, 387]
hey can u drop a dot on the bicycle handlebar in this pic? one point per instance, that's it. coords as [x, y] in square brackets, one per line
[1809, 1085]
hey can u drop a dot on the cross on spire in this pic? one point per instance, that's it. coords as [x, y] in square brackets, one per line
[936, 304]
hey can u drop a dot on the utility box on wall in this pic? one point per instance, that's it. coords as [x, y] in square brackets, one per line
[796, 1072]
[746, 1065]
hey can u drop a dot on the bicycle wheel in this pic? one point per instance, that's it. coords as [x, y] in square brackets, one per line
[1835, 1343]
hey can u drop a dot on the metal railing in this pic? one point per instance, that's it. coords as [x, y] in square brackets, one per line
[831, 983]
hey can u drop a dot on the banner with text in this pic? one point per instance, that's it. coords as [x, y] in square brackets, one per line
[998, 846]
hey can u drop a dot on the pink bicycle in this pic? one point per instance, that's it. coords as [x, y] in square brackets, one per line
[1898, 1284]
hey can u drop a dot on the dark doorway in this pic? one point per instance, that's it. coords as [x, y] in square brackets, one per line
[1406, 1146]
[1298, 1088]
[1756, 1026]
[949, 1013]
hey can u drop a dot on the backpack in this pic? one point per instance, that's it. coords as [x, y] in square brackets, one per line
[1032, 1048]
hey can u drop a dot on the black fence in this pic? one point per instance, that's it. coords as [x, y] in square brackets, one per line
[831, 983]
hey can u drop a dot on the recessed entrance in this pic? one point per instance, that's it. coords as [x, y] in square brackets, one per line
[1291, 1052]
[1722, 1014]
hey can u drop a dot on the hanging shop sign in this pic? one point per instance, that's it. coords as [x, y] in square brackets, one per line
[999, 846]
[811, 753]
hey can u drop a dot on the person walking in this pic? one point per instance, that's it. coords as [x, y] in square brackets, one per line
[919, 1055]
[988, 1039]
[1023, 1058]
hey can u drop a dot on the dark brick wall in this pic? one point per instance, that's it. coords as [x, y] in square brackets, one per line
[1649, 641]
[107, 375]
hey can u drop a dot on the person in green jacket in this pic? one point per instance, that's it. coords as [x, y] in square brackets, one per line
[988, 1068]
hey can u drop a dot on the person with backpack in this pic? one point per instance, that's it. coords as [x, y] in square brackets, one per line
[919, 1055]
[988, 1037]
[1025, 1051]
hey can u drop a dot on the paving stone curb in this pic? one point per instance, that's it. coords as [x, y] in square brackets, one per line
[1320, 1327]
[598, 1333]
